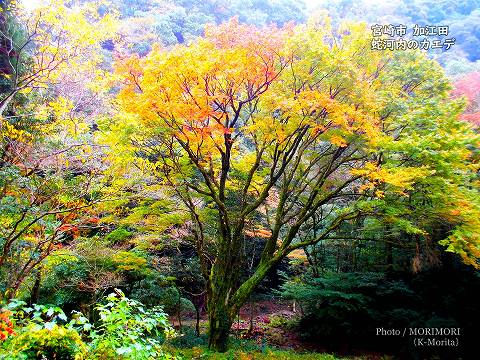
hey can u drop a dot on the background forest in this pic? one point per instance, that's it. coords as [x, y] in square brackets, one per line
[236, 180]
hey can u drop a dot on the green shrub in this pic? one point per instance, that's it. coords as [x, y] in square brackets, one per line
[35, 342]
[281, 321]
[129, 331]
[188, 338]
[126, 331]
[117, 236]
[59, 285]
[40, 334]
[347, 308]
[157, 289]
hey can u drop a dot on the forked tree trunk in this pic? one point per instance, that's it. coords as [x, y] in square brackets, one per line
[226, 295]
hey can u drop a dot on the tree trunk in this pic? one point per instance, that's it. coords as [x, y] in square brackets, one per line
[312, 260]
[12, 292]
[197, 321]
[222, 284]
[198, 301]
[35, 293]
[4, 103]
[219, 324]
[220, 310]
[250, 326]
[226, 295]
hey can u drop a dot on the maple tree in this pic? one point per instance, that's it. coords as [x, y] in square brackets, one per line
[46, 166]
[289, 133]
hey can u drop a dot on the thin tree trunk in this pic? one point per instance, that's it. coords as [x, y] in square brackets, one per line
[34, 295]
[197, 322]
[5, 102]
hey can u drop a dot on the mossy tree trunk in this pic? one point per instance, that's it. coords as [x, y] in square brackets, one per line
[226, 295]
[223, 282]
[220, 322]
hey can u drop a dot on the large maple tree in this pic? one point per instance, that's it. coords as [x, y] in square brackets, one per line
[289, 133]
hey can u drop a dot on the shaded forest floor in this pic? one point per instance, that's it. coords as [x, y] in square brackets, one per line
[264, 330]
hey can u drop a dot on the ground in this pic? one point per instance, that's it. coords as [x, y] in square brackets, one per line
[263, 331]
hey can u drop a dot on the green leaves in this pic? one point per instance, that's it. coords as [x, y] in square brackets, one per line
[129, 329]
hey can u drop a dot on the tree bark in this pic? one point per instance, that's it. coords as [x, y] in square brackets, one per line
[225, 299]
[197, 320]
[220, 322]
[222, 285]
[220, 317]
[35, 293]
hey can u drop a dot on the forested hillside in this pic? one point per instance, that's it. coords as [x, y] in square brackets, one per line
[238, 180]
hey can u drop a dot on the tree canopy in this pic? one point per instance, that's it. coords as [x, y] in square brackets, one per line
[292, 132]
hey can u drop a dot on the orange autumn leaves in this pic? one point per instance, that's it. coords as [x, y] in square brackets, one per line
[6, 324]
[237, 98]
[198, 91]
[240, 85]
[242, 79]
